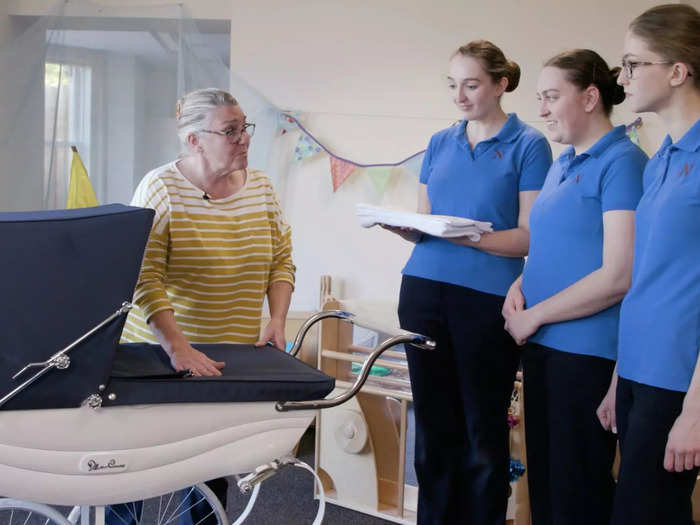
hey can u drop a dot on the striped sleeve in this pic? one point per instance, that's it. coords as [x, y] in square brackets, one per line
[283, 269]
[150, 294]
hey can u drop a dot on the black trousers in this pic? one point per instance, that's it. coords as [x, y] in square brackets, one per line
[647, 494]
[461, 393]
[569, 455]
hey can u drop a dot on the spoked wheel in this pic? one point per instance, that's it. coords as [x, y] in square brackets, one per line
[196, 505]
[18, 512]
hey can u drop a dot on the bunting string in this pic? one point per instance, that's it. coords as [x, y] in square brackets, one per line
[630, 128]
[348, 161]
[379, 172]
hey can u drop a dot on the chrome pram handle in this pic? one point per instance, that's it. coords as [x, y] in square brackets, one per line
[401, 336]
[339, 314]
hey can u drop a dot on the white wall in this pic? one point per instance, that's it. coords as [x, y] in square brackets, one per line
[22, 160]
[142, 128]
[120, 109]
[370, 75]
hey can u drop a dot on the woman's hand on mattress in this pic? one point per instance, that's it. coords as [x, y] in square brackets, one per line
[407, 234]
[274, 333]
[515, 300]
[606, 410]
[683, 445]
[194, 361]
[521, 325]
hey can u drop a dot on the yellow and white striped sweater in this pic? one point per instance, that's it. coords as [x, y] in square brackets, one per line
[210, 261]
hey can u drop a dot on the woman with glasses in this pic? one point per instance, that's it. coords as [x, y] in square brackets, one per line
[565, 306]
[488, 167]
[218, 245]
[658, 384]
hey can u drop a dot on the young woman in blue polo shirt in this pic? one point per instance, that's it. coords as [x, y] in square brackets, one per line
[488, 167]
[566, 303]
[658, 389]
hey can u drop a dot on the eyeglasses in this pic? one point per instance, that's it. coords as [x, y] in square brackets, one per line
[234, 135]
[628, 66]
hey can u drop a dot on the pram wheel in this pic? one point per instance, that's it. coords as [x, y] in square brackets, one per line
[196, 505]
[18, 512]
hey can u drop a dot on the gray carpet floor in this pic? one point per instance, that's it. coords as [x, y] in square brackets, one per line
[287, 498]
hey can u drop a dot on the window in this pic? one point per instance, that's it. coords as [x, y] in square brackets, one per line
[67, 119]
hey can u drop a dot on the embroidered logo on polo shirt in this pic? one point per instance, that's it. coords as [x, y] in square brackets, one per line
[578, 177]
[498, 155]
[685, 171]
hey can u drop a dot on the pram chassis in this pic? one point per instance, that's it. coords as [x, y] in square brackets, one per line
[255, 438]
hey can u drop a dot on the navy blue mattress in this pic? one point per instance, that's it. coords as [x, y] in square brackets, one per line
[141, 373]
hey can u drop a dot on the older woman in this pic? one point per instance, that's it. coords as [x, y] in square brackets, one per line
[218, 246]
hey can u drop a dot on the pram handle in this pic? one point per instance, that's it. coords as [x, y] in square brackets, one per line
[345, 316]
[402, 336]
[339, 314]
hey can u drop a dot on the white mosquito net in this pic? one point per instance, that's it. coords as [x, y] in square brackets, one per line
[86, 75]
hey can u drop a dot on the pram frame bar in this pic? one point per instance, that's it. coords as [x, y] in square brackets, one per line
[60, 359]
[402, 336]
[339, 314]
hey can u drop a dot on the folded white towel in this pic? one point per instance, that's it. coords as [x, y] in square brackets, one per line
[436, 225]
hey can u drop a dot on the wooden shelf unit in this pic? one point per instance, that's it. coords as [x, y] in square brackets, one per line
[372, 479]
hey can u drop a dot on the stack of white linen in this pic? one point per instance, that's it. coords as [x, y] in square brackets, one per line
[436, 225]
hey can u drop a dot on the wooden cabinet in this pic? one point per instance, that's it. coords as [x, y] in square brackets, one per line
[361, 445]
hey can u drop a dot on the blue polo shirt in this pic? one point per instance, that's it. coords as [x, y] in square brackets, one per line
[481, 184]
[660, 316]
[566, 235]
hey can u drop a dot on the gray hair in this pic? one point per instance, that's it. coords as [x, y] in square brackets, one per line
[192, 109]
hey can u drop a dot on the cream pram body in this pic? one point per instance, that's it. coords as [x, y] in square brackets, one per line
[101, 423]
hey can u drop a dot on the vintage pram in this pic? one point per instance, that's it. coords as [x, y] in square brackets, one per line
[88, 422]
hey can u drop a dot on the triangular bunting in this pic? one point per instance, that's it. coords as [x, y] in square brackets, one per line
[306, 147]
[285, 123]
[632, 128]
[340, 170]
[414, 164]
[380, 177]
[633, 135]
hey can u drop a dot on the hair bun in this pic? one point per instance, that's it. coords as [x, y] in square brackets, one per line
[614, 74]
[513, 75]
[618, 92]
[618, 95]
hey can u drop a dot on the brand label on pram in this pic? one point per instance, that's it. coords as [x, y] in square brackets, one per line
[102, 464]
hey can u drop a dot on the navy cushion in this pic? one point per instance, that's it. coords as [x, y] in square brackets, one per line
[142, 374]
